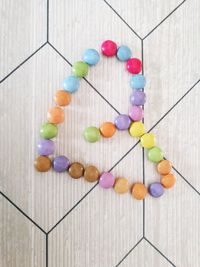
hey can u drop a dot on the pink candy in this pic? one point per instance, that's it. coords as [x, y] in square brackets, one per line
[109, 48]
[106, 180]
[136, 113]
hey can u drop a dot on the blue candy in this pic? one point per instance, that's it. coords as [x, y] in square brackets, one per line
[123, 53]
[91, 57]
[137, 81]
[71, 84]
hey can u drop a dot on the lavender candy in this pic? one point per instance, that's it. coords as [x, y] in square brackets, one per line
[45, 147]
[156, 189]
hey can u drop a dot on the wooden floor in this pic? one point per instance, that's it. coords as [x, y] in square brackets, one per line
[51, 220]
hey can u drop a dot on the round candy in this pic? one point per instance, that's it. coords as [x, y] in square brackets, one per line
[107, 129]
[80, 69]
[138, 98]
[60, 163]
[138, 81]
[155, 154]
[139, 191]
[55, 115]
[164, 167]
[122, 122]
[121, 185]
[134, 65]
[156, 189]
[91, 57]
[109, 48]
[136, 113]
[168, 180]
[137, 129]
[42, 164]
[91, 174]
[148, 140]
[71, 84]
[45, 147]
[123, 53]
[76, 170]
[62, 98]
[48, 131]
[106, 180]
[92, 134]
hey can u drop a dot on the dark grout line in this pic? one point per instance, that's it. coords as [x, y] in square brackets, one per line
[129, 252]
[159, 251]
[186, 180]
[22, 212]
[86, 81]
[22, 63]
[47, 251]
[122, 19]
[180, 99]
[47, 20]
[163, 20]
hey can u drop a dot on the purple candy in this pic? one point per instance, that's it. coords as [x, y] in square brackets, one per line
[106, 180]
[61, 163]
[45, 147]
[122, 122]
[156, 189]
[138, 98]
[136, 113]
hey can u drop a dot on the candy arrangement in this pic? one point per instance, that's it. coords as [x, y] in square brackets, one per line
[131, 122]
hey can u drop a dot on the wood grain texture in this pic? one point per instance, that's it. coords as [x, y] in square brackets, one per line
[104, 227]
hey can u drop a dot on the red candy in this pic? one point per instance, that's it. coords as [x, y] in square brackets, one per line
[109, 48]
[134, 65]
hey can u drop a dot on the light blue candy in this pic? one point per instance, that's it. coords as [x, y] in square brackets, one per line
[91, 57]
[123, 53]
[137, 81]
[71, 84]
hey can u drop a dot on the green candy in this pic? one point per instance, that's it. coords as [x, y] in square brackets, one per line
[48, 130]
[155, 154]
[80, 69]
[92, 134]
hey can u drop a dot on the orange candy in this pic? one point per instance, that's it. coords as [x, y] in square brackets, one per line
[139, 191]
[107, 129]
[168, 180]
[164, 167]
[62, 98]
[55, 115]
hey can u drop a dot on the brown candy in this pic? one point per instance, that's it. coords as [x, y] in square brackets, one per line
[91, 174]
[76, 170]
[42, 163]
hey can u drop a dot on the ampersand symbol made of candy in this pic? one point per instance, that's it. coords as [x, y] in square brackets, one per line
[131, 122]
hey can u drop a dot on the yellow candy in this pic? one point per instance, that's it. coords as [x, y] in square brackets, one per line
[148, 140]
[137, 129]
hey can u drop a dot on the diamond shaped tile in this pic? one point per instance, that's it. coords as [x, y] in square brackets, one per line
[172, 221]
[22, 30]
[29, 92]
[143, 15]
[22, 244]
[103, 227]
[172, 60]
[84, 21]
[144, 255]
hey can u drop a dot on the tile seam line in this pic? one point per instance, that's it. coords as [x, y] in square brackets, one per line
[155, 248]
[89, 83]
[47, 20]
[122, 19]
[23, 62]
[22, 212]
[129, 252]
[110, 170]
[163, 20]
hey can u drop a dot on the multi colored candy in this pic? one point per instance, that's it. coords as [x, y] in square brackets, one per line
[131, 122]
